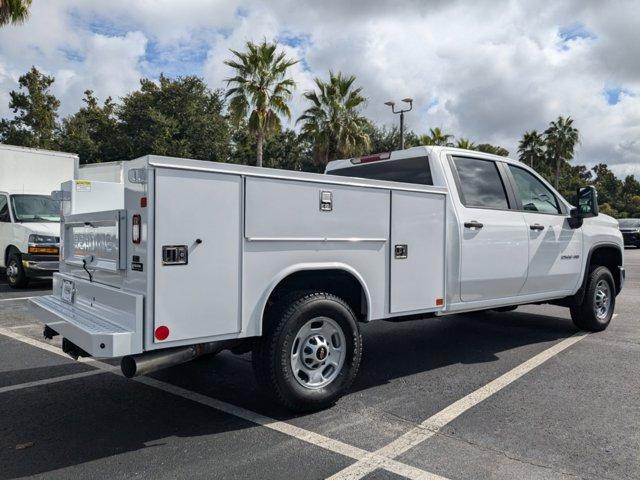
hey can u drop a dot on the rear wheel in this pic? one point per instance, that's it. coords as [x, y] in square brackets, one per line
[598, 304]
[310, 351]
[16, 274]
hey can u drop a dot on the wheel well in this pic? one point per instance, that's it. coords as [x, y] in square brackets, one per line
[335, 281]
[7, 252]
[610, 257]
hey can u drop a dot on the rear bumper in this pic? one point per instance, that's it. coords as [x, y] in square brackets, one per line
[102, 321]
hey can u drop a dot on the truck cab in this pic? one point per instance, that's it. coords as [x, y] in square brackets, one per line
[29, 236]
[513, 238]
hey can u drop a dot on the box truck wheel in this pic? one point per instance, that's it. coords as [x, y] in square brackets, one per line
[596, 310]
[310, 351]
[16, 276]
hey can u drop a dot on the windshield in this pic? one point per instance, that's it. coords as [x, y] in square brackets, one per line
[35, 208]
[629, 223]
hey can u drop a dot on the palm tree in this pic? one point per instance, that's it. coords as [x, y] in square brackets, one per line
[436, 137]
[14, 11]
[466, 144]
[560, 138]
[531, 148]
[260, 90]
[333, 121]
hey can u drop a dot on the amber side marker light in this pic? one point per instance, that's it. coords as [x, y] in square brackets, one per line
[45, 250]
[439, 302]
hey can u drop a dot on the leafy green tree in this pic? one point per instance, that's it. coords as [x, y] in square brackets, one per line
[35, 109]
[436, 137]
[260, 90]
[384, 139]
[14, 11]
[607, 185]
[630, 195]
[531, 148]
[493, 149]
[92, 132]
[176, 117]
[283, 150]
[560, 138]
[466, 144]
[333, 122]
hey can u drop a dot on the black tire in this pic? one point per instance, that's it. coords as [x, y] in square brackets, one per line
[272, 356]
[18, 278]
[584, 316]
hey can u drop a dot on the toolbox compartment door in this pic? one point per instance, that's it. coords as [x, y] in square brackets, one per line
[197, 259]
[417, 251]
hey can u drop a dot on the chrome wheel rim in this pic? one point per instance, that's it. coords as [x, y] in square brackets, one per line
[318, 353]
[12, 271]
[602, 299]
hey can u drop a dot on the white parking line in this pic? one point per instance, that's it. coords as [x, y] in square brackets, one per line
[433, 424]
[307, 436]
[15, 298]
[48, 381]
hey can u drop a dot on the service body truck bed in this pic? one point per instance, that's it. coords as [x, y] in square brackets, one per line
[201, 256]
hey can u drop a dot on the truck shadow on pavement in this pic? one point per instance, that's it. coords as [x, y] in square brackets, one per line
[101, 416]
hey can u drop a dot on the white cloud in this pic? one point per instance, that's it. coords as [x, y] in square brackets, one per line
[483, 70]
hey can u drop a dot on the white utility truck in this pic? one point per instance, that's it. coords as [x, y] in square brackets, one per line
[29, 217]
[206, 256]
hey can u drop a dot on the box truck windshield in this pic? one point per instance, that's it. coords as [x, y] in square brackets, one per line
[35, 208]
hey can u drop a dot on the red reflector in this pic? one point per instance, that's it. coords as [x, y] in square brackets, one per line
[162, 332]
[439, 302]
[371, 158]
[135, 229]
[143, 202]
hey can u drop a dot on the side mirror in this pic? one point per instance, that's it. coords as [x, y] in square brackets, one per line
[575, 218]
[588, 202]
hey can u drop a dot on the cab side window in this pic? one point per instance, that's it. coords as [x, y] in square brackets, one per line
[480, 183]
[534, 195]
[4, 210]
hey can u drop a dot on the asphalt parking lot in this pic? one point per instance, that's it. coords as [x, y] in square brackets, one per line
[497, 396]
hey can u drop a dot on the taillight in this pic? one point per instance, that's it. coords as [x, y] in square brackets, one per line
[135, 229]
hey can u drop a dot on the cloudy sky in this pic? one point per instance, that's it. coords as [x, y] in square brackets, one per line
[485, 70]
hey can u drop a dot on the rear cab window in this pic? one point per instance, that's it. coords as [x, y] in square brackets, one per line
[479, 183]
[407, 170]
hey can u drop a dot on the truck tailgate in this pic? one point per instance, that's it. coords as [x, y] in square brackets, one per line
[102, 320]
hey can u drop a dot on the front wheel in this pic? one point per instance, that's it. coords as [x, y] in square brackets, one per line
[596, 310]
[310, 351]
[16, 275]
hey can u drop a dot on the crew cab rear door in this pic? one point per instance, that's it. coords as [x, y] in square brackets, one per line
[493, 237]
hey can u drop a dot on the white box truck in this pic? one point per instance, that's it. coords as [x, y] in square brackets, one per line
[102, 172]
[29, 217]
[206, 256]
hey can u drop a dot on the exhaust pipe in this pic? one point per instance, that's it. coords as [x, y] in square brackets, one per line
[143, 363]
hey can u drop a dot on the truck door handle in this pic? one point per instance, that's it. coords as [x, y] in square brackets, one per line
[473, 224]
[536, 226]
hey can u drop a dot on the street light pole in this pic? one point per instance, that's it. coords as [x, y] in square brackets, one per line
[401, 112]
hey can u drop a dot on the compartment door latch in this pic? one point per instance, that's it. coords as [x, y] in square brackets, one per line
[175, 255]
[401, 251]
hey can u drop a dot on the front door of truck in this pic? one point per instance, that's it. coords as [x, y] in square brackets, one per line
[555, 248]
[493, 237]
